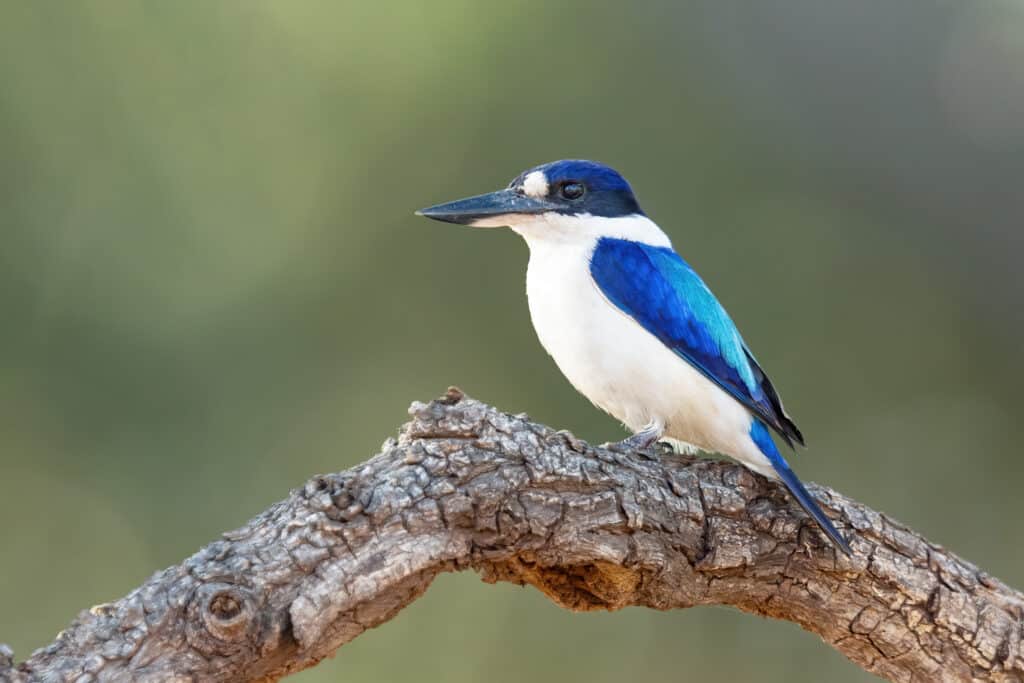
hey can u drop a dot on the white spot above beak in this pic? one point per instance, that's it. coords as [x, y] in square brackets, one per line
[536, 185]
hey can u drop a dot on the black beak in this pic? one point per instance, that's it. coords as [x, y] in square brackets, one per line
[491, 205]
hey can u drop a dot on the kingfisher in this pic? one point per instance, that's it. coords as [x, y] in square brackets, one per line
[632, 326]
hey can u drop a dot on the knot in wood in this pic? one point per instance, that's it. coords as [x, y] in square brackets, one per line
[222, 619]
[225, 607]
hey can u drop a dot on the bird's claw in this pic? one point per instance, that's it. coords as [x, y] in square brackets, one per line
[639, 443]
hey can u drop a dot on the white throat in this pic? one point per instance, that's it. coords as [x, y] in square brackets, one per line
[555, 229]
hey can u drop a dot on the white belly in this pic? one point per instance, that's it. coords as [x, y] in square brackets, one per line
[620, 366]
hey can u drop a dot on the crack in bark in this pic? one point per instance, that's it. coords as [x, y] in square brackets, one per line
[468, 487]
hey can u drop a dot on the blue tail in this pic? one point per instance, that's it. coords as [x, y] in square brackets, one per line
[759, 433]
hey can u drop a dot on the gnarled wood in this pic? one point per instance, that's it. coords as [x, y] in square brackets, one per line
[466, 486]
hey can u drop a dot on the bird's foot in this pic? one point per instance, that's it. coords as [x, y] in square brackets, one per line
[640, 442]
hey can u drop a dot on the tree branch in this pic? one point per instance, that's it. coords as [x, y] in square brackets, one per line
[465, 486]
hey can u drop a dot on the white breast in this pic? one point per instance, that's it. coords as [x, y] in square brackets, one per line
[612, 360]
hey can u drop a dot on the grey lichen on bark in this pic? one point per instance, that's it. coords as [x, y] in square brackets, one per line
[468, 487]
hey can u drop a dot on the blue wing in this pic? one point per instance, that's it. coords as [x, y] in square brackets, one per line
[659, 290]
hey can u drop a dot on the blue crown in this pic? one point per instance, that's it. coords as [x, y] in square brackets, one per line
[606, 192]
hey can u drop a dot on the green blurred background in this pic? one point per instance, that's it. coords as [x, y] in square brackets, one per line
[212, 285]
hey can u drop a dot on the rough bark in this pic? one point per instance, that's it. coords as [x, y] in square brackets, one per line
[468, 487]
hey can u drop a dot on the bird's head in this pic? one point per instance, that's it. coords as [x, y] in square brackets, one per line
[561, 197]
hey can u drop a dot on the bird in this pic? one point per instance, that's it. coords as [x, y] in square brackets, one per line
[632, 326]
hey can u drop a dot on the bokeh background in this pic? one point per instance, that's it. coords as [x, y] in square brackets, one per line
[212, 285]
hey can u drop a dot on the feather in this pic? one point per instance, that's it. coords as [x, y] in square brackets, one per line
[658, 289]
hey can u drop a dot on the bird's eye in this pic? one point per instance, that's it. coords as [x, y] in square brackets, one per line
[572, 190]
